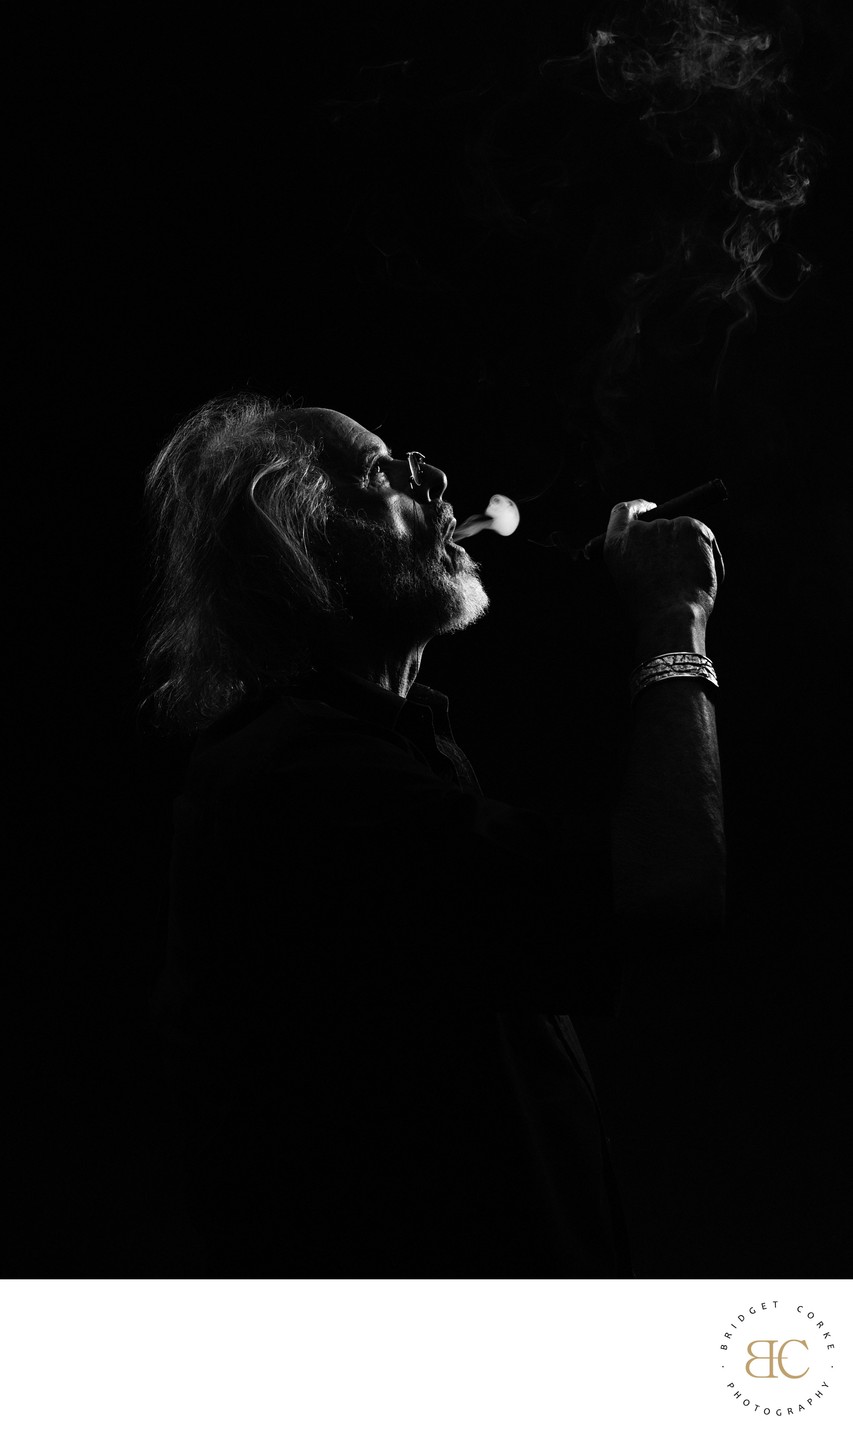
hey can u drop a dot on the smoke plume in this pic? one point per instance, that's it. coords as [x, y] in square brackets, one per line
[712, 94]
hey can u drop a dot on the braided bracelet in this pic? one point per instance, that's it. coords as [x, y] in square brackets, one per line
[671, 664]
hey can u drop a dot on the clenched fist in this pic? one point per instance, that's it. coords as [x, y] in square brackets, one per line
[662, 566]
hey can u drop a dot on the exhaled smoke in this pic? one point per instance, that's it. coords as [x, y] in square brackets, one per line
[715, 94]
[501, 516]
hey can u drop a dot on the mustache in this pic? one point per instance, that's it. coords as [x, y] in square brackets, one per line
[431, 529]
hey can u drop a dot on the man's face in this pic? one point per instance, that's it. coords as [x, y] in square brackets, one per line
[391, 538]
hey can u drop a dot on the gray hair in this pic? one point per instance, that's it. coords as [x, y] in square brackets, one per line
[237, 507]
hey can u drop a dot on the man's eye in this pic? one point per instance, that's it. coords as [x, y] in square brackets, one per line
[378, 475]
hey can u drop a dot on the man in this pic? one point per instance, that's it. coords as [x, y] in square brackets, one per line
[364, 1091]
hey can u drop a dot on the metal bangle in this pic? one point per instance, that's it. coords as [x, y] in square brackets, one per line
[671, 664]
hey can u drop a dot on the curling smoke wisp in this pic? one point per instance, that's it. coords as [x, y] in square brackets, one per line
[715, 92]
[501, 515]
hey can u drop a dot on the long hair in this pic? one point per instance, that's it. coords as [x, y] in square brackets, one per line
[237, 508]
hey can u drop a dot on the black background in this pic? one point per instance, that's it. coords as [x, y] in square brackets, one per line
[259, 202]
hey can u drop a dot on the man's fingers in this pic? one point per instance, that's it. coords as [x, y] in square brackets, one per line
[625, 513]
[719, 565]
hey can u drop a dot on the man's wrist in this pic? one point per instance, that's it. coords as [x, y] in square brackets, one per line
[678, 629]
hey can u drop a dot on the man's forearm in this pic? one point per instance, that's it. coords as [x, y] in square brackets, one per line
[667, 828]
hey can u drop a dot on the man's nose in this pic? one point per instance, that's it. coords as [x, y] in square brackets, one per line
[433, 484]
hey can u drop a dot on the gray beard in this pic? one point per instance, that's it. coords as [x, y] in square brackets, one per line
[411, 590]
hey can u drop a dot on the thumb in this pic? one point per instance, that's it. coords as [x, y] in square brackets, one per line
[622, 515]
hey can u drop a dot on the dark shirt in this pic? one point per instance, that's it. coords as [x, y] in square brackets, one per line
[355, 933]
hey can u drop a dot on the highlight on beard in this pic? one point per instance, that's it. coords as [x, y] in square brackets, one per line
[501, 515]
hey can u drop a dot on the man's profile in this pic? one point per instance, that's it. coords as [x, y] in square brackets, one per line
[363, 1088]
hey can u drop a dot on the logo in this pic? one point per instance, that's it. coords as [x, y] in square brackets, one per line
[777, 1357]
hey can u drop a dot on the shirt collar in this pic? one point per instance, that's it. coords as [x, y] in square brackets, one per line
[374, 703]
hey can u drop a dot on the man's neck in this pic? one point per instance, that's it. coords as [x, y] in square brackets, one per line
[395, 671]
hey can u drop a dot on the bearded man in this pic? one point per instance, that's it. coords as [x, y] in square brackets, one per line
[363, 1089]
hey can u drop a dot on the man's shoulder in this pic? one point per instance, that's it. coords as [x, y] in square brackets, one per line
[299, 740]
[279, 723]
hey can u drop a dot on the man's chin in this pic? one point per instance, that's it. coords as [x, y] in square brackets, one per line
[437, 592]
[470, 602]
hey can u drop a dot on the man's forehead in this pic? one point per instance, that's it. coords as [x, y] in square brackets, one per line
[340, 432]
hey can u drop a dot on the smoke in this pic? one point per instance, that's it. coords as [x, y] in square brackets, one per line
[672, 51]
[595, 229]
[713, 94]
[501, 516]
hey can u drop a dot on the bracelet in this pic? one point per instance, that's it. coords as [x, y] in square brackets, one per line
[671, 664]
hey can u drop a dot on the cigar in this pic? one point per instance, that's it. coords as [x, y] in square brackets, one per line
[686, 505]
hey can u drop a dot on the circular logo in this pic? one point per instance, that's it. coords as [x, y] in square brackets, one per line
[777, 1357]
